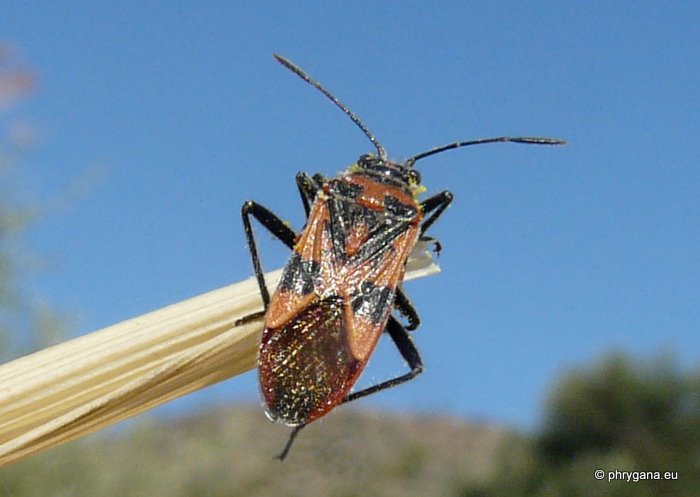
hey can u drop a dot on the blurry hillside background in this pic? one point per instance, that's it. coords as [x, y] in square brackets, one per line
[619, 407]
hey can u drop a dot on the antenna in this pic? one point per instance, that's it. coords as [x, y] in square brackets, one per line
[300, 72]
[530, 140]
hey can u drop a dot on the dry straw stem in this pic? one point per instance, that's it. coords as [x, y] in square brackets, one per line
[80, 386]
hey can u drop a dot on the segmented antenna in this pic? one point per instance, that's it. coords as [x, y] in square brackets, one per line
[531, 140]
[299, 72]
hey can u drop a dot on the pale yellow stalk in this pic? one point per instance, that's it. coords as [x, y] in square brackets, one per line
[80, 386]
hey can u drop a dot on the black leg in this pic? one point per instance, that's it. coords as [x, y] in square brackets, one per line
[437, 246]
[404, 305]
[275, 226]
[282, 455]
[308, 187]
[408, 351]
[410, 354]
[437, 203]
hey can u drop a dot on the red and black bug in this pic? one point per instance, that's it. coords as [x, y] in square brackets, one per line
[343, 280]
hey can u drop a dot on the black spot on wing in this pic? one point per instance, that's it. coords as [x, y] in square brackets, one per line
[372, 301]
[299, 275]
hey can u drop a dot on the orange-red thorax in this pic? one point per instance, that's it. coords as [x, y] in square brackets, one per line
[374, 192]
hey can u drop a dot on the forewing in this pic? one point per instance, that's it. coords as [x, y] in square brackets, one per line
[306, 366]
[302, 279]
[377, 270]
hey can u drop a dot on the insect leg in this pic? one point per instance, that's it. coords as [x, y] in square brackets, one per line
[408, 351]
[437, 246]
[275, 226]
[404, 305]
[282, 455]
[437, 203]
[308, 187]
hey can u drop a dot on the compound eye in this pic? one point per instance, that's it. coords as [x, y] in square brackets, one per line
[414, 177]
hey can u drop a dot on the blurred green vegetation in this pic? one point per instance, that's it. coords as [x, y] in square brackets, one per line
[619, 414]
[230, 452]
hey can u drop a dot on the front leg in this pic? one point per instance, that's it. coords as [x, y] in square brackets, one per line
[275, 226]
[437, 203]
[308, 187]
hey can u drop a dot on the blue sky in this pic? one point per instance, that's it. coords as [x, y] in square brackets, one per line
[174, 115]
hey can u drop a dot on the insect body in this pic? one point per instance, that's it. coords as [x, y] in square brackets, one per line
[343, 280]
